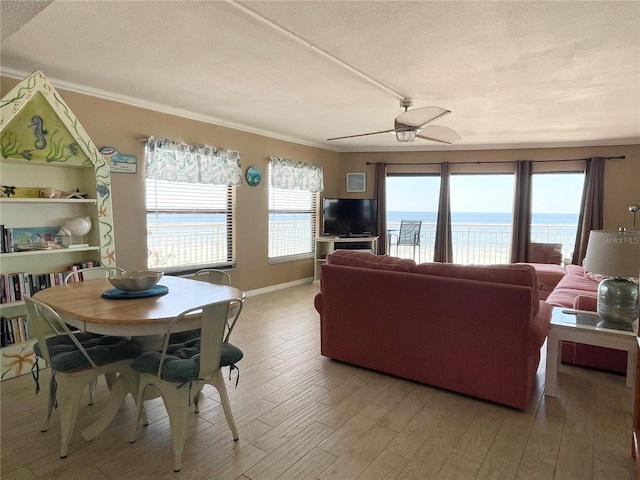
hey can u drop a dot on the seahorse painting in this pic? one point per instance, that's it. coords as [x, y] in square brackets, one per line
[39, 132]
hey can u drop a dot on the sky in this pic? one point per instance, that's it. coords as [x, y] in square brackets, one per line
[552, 193]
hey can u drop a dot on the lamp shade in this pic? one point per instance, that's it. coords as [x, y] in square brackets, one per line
[613, 253]
[616, 255]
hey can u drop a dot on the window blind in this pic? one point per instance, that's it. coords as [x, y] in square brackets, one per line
[189, 225]
[292, 224]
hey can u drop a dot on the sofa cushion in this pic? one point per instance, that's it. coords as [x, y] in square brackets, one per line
[596, 277]
[354, 258]
[511, 274]
[573, 284]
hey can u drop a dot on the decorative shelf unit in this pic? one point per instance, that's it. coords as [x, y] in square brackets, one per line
[326, 245]
[43, 145]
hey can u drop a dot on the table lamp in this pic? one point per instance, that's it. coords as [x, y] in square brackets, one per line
[615, 254]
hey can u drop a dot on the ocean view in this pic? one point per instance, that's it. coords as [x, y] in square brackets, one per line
[485, 218]
[478, 237]
[484, 237]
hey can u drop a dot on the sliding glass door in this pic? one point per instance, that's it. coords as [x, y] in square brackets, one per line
[482, 213]
[412, 197]
[481, 218]
[555, 206]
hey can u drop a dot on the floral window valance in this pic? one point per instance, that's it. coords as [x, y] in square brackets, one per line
[179, 162]
[292, 175]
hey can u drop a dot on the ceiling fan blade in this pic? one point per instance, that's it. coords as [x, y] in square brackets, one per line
[437, 133]
[421, 116]
[362, 134]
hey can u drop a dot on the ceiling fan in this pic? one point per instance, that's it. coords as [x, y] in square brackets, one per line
[415, 123]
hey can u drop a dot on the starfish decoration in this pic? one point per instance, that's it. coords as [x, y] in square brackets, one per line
[19, 360]
[110, 257]
[76, 194]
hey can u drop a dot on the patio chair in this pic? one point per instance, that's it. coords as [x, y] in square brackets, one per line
[180, 372]
[76, 359]
[409, 236]
[545, 253]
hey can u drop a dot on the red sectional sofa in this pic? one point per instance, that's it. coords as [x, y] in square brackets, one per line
[476, 330]
[549, 274]
[576, 290]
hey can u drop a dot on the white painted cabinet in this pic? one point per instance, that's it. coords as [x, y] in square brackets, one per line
[327, 245]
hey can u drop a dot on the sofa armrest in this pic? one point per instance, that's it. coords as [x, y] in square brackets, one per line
[585, 302]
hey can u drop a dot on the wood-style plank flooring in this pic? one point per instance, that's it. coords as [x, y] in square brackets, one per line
[303, 416]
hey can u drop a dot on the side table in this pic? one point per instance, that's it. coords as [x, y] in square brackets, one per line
[586, 327]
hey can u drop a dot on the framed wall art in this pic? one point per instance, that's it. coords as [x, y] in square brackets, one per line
[356, 182]
[119, 163]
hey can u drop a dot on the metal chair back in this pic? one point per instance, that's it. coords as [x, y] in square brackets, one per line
[409, 235]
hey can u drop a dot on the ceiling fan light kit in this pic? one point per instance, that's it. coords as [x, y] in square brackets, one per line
[409, 124]
[406, 135]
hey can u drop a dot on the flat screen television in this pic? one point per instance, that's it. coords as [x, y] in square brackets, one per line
[350, 217]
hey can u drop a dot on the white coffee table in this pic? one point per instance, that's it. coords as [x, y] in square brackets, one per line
[585, 327]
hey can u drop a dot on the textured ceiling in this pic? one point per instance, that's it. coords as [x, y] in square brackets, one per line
[514, 74]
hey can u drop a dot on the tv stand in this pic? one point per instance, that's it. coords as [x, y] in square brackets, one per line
[352, 235]
[327, 245]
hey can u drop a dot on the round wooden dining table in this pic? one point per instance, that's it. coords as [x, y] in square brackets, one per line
[145, 320]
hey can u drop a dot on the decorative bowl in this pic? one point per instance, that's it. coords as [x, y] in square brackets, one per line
[136, 281]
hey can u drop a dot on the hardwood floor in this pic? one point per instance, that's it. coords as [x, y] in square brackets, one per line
[303, 416]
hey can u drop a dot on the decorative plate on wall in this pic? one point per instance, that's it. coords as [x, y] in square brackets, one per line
[254, 176]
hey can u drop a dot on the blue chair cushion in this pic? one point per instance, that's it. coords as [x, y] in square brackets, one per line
[181, 337]
[103, 349]
[182, 362]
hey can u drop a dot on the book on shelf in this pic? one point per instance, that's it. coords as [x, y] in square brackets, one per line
[7, 240]
[14, 330]
[13, 286]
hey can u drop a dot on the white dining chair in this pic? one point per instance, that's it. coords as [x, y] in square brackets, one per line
[76, 359]
[180, 372]
[220, 277]
[94, 273]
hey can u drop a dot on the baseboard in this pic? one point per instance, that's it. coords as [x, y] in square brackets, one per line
[280, 286]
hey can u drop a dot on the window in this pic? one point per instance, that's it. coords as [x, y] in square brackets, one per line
[189, 225]
[292, 224]
[190, 201]
[293, 196]
[412, 197]
[555, 206]
[481, 217]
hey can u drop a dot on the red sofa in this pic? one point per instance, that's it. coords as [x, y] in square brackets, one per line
[476, 330]
[576, 290]
[549, 274]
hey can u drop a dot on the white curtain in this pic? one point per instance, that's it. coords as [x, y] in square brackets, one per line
[292, 175]
[179, 162]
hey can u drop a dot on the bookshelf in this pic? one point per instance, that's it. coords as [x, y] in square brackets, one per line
[45, 149]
